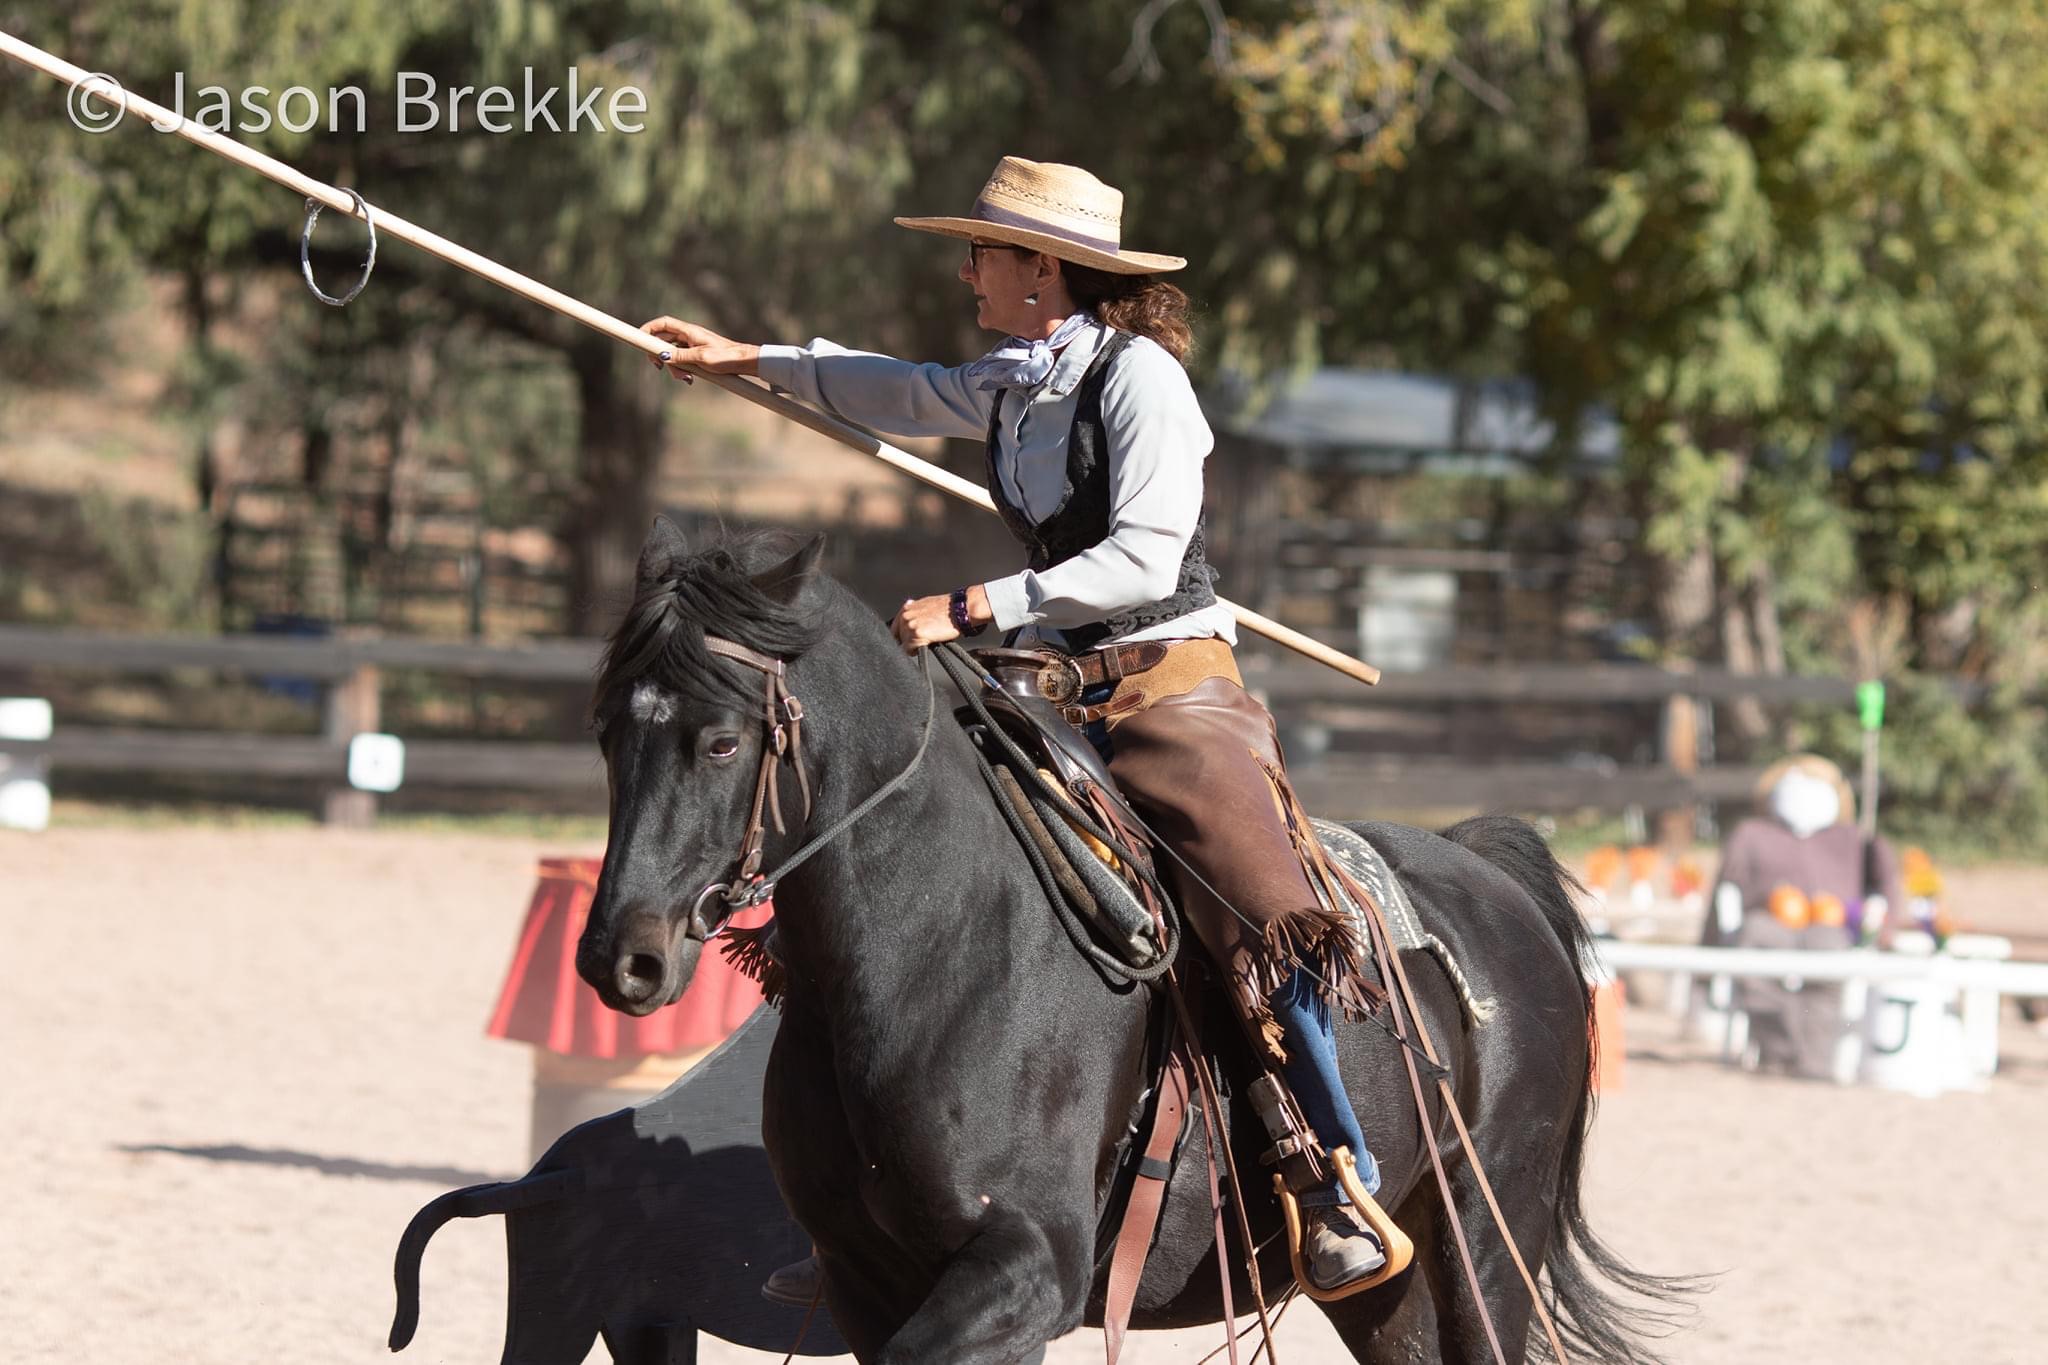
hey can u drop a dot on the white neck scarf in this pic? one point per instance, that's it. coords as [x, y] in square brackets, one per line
[1021, 364]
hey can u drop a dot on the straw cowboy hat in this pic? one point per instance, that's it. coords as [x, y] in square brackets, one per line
[1060, 210]
[1810, 765]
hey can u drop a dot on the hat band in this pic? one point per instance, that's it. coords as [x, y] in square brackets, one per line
[989, 213]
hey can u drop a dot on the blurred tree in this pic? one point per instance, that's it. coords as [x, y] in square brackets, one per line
[759, 144]
[1795, 246]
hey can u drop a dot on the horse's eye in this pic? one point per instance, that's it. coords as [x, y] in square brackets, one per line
[723, 746]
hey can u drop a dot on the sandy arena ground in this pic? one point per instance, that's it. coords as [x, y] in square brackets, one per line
[234, 1063]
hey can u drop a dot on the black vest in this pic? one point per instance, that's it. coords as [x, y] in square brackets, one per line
[1082, 518]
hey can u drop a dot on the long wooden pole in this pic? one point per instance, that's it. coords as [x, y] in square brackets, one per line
[455, 254]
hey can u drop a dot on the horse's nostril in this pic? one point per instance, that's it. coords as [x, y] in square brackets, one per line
[640, 975]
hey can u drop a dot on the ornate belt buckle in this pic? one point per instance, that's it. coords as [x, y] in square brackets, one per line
[1059, 680]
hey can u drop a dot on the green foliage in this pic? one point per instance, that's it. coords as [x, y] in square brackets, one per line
[1795, 247]
[762, 145]
[1969, 777]
[156, 564]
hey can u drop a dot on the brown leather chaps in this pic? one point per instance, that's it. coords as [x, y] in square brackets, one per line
[1200, 759]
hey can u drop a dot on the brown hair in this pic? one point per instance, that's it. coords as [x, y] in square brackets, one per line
[1144, 304]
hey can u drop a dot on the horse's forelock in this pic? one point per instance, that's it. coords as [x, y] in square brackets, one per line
[660, 640]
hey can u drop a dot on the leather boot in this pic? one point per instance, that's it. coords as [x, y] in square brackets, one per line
[1336, 1249]
[797, 1284]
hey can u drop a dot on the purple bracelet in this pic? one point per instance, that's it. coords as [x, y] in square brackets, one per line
[956, 608]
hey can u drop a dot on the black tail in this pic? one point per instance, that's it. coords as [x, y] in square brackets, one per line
[478, 1200]
[1591, 1318]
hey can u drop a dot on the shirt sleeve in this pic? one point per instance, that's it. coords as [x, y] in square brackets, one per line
[1158, 440]
[896, 396]
[1738, 864]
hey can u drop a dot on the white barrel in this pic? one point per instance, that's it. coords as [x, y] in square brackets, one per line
[1913, 1038]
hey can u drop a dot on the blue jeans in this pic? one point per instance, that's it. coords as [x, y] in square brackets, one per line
[1096, 731]
[1318, 1085]
[1311, 1044]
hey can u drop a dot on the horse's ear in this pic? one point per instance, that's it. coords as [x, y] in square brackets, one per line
[663, 547]
[787, 579]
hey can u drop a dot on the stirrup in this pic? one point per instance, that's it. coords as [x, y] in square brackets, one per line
[1396, 1243]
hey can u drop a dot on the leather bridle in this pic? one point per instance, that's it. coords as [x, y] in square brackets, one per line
[782, 717]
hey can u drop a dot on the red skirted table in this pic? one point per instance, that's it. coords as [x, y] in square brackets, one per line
[589, 1060]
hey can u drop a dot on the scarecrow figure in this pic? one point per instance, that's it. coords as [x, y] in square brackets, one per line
[1800, 874]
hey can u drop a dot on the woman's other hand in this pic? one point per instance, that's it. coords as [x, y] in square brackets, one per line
[925, 621]
[702, 349]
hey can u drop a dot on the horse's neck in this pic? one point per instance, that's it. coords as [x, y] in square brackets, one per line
[925, 887]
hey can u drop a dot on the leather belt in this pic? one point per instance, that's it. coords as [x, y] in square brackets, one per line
[1061, 678]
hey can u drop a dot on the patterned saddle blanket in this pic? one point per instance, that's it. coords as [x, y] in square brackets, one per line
[1355, 854]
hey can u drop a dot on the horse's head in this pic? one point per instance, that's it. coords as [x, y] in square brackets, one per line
[686, 731]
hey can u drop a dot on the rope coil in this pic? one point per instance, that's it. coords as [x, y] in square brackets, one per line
[313, 208]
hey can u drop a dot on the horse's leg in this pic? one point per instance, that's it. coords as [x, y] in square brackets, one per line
[996, 1303]
[1527, 1212]
[1436, 1318]
[817, 1170]
[1398, 1322]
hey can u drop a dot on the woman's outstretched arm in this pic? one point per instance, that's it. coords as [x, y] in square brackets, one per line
[879, 391]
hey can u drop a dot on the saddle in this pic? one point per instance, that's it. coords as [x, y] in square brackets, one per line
[1066, 805]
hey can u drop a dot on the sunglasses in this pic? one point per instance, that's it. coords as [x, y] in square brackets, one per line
[974, 250]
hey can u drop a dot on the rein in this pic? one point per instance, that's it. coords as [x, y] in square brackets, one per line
[749, 886]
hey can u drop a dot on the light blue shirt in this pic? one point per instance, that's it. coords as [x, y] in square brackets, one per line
[1158, 440]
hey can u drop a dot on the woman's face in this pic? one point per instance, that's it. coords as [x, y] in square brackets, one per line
[1001, 277]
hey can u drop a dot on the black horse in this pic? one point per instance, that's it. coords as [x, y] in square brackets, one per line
[951, 1079]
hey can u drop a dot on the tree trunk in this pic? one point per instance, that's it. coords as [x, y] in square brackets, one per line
[1690, 630]
[1754, 644]
[620, 431]
[1763, 615]
[1743, 654]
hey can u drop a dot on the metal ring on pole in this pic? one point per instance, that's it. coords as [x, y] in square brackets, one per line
[313, 207]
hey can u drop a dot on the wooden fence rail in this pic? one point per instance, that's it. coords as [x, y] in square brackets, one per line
[352, 671]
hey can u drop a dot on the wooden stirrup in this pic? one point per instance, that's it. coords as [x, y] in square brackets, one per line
[1396, 1243]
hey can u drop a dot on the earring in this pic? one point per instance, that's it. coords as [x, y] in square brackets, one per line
[1031, 298]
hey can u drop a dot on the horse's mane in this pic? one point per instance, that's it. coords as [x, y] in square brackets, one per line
[712, 591]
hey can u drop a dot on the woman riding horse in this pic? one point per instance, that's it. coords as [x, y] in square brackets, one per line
[1095, 445]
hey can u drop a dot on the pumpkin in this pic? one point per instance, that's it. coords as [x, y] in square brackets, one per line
[1642, 864]
[1790, 908]
[1601, 866]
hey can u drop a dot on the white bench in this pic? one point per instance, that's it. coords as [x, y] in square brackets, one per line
[1918, 1022]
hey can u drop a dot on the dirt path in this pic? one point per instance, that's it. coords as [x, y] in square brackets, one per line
[236, 1062]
